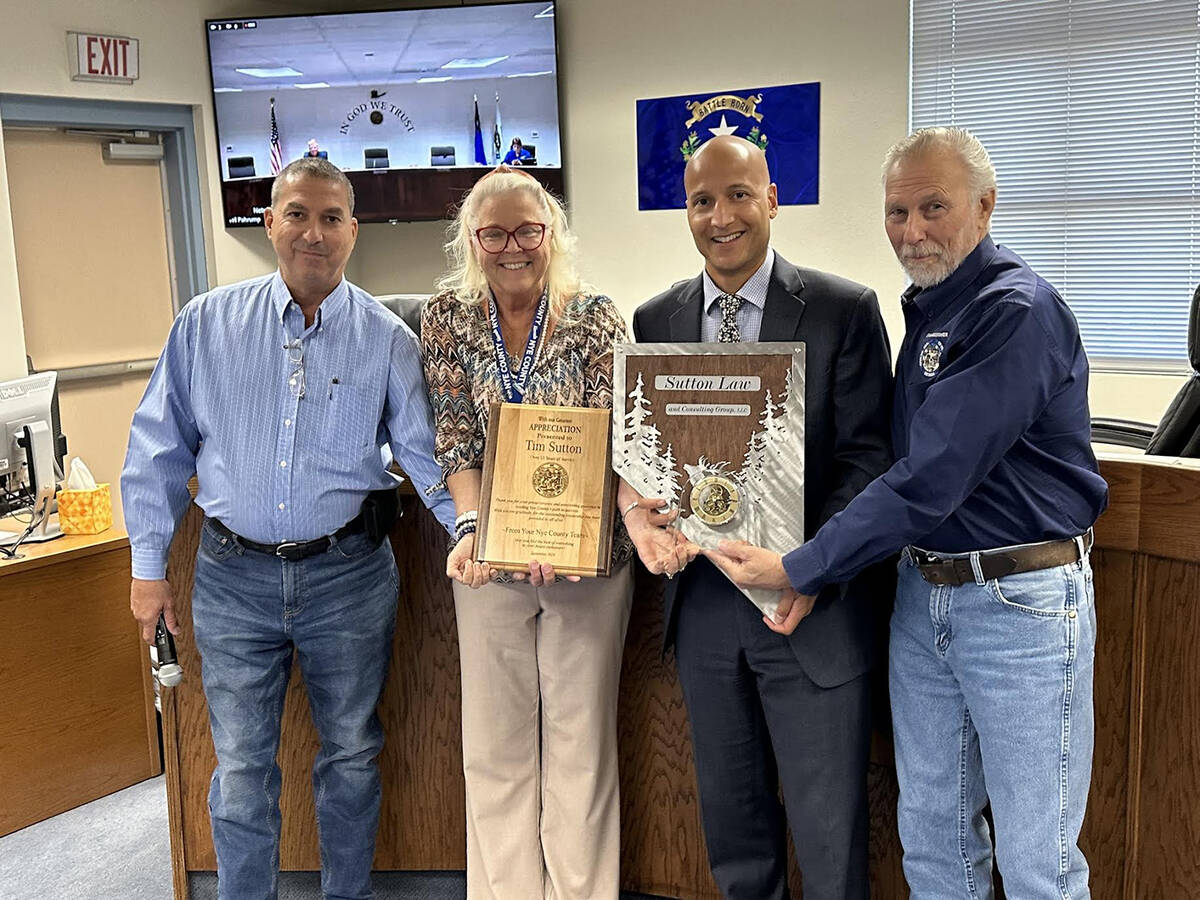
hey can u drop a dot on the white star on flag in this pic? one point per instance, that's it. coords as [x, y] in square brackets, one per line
[724, 127]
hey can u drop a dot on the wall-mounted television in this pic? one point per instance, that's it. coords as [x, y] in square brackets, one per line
[389, 97]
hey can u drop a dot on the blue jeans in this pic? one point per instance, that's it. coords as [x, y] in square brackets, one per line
[991, 689]
[337, 611]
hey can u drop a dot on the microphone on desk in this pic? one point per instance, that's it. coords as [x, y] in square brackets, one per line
[169, 671]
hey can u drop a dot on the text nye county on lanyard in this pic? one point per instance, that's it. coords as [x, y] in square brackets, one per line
[514, 387]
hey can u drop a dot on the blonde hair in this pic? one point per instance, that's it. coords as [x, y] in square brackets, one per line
[465, 278]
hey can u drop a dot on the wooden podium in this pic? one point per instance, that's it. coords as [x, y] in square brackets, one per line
[1143, 814]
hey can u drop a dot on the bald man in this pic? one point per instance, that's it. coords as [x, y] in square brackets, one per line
[769, 709]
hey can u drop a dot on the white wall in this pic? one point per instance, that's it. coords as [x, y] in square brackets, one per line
[611, 53]
[442, 114]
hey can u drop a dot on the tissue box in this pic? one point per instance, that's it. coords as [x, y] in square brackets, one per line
[85, 512]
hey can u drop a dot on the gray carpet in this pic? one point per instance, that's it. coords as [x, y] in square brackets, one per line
[114, 848]
[117, 848]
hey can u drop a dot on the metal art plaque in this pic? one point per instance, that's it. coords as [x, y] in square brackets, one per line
[548, 489]
[716, 430]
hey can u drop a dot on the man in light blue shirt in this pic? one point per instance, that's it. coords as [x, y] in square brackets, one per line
[287, 395]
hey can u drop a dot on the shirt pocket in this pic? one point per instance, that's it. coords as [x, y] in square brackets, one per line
[348, 430]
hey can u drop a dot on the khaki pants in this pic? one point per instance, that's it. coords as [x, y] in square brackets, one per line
[540, 668]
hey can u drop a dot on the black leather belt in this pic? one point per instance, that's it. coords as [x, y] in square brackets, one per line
[293, 551]
[956, 570]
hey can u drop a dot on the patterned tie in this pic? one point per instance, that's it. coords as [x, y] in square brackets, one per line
[729, 333]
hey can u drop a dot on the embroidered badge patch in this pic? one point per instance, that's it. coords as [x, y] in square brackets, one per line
[931, 357]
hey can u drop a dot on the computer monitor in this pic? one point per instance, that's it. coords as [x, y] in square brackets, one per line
[31, 445]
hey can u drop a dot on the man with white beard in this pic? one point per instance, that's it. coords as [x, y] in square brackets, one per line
[991, 501]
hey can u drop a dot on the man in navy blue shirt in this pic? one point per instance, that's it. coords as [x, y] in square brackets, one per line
[991, 499]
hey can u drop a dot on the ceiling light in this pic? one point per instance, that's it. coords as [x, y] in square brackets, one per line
[311, 84]
[428, 79]
[529, 74]
[481, 62]
[276, 72]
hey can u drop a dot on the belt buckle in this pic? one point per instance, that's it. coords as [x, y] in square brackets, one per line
[926, 558]
[287, 551]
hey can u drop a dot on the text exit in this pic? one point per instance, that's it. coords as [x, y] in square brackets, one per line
[103, 57]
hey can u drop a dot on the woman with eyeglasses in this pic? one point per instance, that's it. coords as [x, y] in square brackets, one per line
[541, 655]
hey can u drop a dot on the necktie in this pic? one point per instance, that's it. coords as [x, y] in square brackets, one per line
[729, 333]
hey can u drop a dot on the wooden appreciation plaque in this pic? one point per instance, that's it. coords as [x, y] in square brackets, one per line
[717, 431]
[548, 489]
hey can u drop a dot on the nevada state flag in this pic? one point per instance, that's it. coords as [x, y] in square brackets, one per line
[784, 121]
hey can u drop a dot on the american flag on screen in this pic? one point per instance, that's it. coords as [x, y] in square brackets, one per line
[276, 153]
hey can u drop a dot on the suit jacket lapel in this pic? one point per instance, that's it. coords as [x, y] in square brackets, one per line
[684, 323]
[784, 307]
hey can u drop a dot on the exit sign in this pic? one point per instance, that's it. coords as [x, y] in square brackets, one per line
[102, 57]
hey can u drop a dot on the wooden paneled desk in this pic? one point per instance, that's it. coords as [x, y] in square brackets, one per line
[77, 717]
[1143, 821]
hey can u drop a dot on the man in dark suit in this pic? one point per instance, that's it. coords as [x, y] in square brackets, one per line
[769, 709]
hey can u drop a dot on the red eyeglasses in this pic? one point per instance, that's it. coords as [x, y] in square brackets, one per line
[494, 239]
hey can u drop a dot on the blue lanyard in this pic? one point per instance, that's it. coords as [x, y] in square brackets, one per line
[514, 388]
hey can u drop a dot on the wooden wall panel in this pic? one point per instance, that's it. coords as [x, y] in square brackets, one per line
[422, 822]
[1170, 512]
[662, 845]
[1141, 827]
[1104, 836]
[1168, 866]
[1119, 526]
[883, 793]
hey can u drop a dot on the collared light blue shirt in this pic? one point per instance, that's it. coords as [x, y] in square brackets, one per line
[272, 465]
[749, 315]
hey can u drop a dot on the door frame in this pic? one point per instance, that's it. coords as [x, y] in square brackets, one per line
[181, 166]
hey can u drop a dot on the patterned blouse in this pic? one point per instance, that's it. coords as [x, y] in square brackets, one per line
[573, 367]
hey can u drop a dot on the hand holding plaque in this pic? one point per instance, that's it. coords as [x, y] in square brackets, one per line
[718, 430]
[547, 489]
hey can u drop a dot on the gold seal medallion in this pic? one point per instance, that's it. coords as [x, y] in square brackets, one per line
[715, 500]
[549, 479]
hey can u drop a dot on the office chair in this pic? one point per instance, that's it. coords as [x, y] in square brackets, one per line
[441, 156]
[375, 158]
[1121, 432]
[1178, 433]
[241, 166]
[407, 307]
[532, 161]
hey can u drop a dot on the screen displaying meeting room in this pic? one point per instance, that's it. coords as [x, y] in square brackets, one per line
[415, 103]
